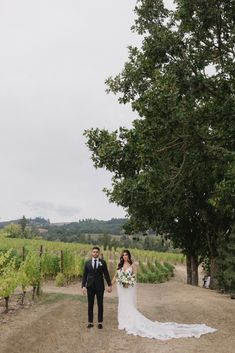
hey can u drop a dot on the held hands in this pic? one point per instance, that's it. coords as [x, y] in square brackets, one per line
[109, 289]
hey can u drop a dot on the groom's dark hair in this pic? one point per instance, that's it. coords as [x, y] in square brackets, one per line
[96, 247]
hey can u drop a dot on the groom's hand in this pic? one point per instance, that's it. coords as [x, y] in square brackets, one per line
[84, 290]
[109, 290]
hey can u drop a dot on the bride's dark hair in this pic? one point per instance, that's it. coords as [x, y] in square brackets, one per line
[121, 262]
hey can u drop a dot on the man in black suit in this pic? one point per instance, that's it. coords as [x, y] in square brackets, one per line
[93, 284]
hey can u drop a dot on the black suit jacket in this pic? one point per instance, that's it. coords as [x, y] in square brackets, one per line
[95, 278]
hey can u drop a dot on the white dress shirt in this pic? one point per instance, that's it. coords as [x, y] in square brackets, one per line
[93, 262]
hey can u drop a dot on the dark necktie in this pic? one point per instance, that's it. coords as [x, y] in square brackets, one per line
[95, 264]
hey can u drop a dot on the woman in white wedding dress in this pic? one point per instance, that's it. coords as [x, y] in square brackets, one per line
[130, 319]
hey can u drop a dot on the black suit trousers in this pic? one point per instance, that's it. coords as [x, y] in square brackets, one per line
[91, 293]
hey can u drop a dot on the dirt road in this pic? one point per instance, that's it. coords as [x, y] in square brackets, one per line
[57, 324]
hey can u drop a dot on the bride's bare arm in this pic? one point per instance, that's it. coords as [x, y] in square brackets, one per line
[134, 269]
[114, 279]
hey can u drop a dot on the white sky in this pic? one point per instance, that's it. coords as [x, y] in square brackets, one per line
[55, 57]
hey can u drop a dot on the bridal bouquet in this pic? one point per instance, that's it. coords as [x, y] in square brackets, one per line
[126, 279]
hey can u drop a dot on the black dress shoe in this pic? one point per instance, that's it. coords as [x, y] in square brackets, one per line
[90, 325]
[100, 326]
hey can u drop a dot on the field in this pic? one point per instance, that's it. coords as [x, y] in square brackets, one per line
[26, 263]
[68, 258]
[83, 250]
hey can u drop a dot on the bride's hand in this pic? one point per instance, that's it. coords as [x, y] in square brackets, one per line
[109, 289]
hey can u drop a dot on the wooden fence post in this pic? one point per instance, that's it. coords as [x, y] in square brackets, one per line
[40, 267]
[23, 253]
[61, 261]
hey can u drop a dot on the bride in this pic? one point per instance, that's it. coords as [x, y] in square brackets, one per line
[130, 319]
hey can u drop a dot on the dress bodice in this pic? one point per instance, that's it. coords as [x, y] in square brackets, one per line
[129, 269]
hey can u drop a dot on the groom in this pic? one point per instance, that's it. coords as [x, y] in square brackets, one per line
[93, 284]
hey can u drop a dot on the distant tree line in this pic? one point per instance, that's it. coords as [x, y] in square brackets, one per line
[109, 234]
[145, 242]
[23, 228]
[72, 232]
[37, 222]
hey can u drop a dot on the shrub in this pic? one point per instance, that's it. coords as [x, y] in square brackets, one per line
[60, 280]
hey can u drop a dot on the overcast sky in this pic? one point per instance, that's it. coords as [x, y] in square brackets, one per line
[55, 57]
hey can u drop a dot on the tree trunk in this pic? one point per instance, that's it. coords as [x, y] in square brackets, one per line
[22, 298]
[189, 272]
[212, 244]
[34, 289]
[6, 304]
[194, 268]
[213, 265]
[38, 289]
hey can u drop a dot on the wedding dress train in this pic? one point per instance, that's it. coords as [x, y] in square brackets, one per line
[130, 319]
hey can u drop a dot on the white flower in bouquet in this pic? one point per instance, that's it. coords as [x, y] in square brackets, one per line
[126, 279]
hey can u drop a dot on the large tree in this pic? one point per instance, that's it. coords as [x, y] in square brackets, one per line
[170, 167]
